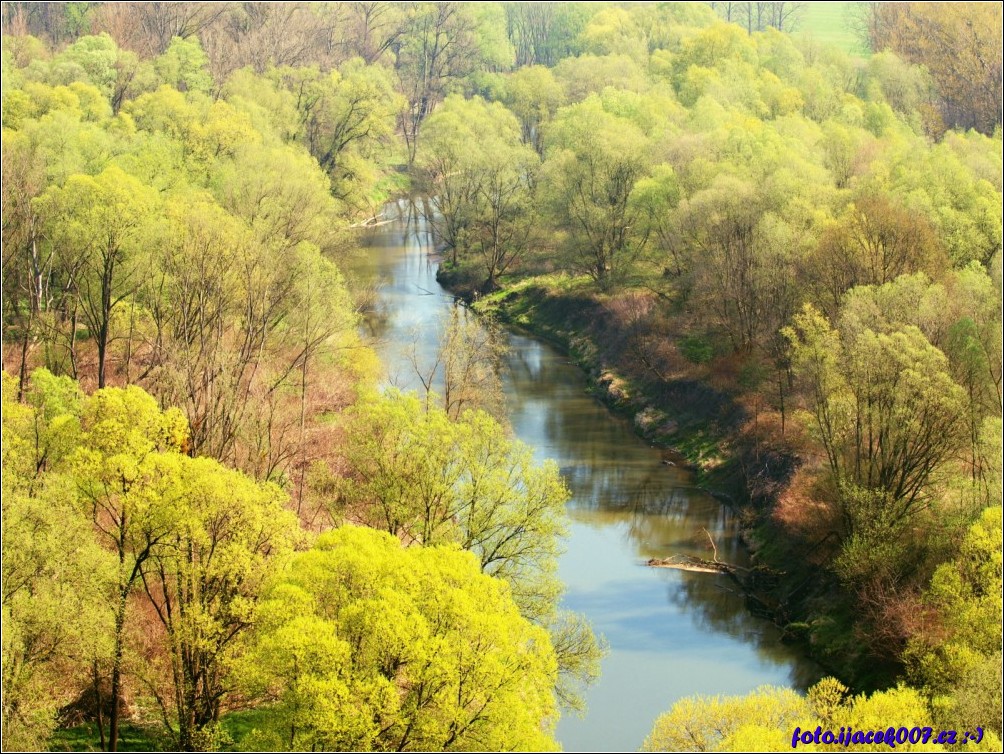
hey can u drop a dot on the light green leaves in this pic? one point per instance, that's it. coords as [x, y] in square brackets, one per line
[369, 645]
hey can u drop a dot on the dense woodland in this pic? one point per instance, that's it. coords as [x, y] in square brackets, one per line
[218, 531]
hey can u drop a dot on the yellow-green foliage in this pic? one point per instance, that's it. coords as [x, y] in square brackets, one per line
[966, 595]
[366, 644]
[766, 719]
[100, 498]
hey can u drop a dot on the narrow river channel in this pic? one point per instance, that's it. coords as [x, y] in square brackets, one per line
[670, 633]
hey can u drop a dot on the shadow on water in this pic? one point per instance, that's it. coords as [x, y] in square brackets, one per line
[671, 633]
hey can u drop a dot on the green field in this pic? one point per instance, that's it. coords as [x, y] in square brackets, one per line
[831, 23]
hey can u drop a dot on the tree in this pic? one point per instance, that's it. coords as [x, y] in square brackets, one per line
[437, 482]
[184, 66]
[965, 595]
[480, 181]
[465, 371]
[534, 96]
[656, 197]
[593, 161]
[97, 225]
[742, 259]
[149, 28]
[374, 28]
[130, 510]
[204, 581]
[345, 114]
[876, 240]
[433, 481]
[544, 33]
[708, 724]
[438, 49]
[263, 35]
[55, 576]
[367, 645]
[766, 719]
[884, 408]
[99, 61]
[760, 16]
[27, 262]
[126, 469]
[960, 46]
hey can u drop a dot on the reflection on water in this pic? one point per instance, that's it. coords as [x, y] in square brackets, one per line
[671, 633]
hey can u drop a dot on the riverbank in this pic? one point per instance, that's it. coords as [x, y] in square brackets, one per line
[635, 365]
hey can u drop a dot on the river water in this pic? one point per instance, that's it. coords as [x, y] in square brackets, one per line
[670, 633]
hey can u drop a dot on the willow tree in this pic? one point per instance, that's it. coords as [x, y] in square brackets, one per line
[367, 645]
[885, 409]
[480, 179]
[125, 470]
[97, 225]
[436, 482]
[593, 161]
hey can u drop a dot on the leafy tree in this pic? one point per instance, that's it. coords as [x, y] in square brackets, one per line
[614, 30]
[743, 259]
[184, 66]
[965, 595]
[544, 33]
[656, 197]
[204, 580]
[99, 61]
[590, 74]
[593, 162]
[765, 719]
[433, 481]
[97, 225]
[709, 724]
[130, 493]
[27, 262]
[367, 645]
[960, 46]
[429, 480]
[344, 116]
[975, 700]
[884, 406]
[56, 577]
[465, 370]
[115, 506]
[534, 95]
[439, 48]
[876, 240]
[374, 28]
[480, 180]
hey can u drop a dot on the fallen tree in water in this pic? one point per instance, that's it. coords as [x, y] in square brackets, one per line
[694, 564]
[698, 565]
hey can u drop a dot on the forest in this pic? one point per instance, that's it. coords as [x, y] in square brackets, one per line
[778, 257]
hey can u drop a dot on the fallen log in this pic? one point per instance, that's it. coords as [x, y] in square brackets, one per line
[695, 565]
[372, 222]
[699, 565]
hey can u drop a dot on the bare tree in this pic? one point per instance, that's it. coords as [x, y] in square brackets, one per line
[466, 366]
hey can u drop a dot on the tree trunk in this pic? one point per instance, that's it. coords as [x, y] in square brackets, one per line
[99, 704]
[73, 343]
[23, 372]
[113, 723]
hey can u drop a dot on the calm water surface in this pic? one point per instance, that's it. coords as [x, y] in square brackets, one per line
[670, 633]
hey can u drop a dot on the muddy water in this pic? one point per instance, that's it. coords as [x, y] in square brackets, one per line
[670, 633]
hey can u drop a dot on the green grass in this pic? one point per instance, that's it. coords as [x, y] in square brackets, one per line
[131, 738]
[832, 23]
[236, 726]
[239, 725]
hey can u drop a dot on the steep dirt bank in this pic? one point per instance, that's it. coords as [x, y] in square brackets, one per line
[634, 366]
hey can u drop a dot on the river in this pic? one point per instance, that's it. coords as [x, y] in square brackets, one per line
[670, 633]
